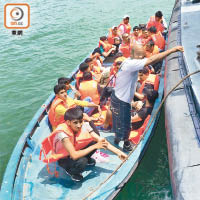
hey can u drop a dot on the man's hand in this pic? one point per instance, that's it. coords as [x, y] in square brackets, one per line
[102, 144]
[177, 48]
[86, 117]
[122, 156]
[139, 105]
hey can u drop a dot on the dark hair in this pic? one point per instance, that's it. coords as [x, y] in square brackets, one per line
[103, 38]
[159, 14]
[63, 80]
[142, 26]
[118, 62]
[59, 87]
[87, 76]
[150, 43]
[144, 71]
[152, 29]
[136, 27]
[83, 67]
[152, 95]
[87, 60]
[144, 29]
[73, 113]
[119, 54]
[96, 50]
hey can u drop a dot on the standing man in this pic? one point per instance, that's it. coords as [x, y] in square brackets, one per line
[158, 21]
[125, 88]
[124, 27]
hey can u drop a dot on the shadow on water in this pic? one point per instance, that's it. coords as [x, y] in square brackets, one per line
[151, 180]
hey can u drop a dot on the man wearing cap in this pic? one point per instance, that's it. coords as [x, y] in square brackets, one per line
[113, 32]
[124, 27]
[124, 90]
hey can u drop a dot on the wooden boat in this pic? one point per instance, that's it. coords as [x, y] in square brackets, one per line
[26, 176]
[182, 108]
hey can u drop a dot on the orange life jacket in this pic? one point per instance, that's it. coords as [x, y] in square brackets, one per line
[159, 40]
[125, 49]
[152, 22]
[79, 141]
[153, 80]
[136, 135]
[106, 46]
[111, 36]
[155, 51]
[144, 40]
[127, 27]
[135, 40]
[55, 120]
[89, 88]
[79, 77]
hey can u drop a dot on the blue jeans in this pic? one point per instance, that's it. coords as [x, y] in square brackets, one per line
[121, 116]
[88, 110]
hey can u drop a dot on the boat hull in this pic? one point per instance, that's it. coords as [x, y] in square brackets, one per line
[181, 114]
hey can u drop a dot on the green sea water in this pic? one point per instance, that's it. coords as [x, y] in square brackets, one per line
[61, 35]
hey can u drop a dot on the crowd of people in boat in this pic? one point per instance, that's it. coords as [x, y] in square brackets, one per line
[118, 98]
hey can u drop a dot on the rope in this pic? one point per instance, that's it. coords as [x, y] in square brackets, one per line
[149, 124]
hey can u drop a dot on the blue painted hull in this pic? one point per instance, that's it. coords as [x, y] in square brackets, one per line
[26, 176]
[182, 106]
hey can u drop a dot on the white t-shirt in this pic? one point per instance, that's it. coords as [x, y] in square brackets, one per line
[127, 77]
[57, 143]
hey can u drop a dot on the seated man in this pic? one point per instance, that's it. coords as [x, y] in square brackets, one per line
[144, 37]
[95, 64]
[84, 67]
[151, 49]
[147, 81]
[66, 81]
[90, 88]
[157, 38]
[138, 118]
[61, 103]
[135, 36]
[124, 47]
[74, 142]
[117, 42]
[113, 32]
[105, 47]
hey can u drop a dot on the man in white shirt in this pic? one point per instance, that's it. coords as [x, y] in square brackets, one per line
[125, 88]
